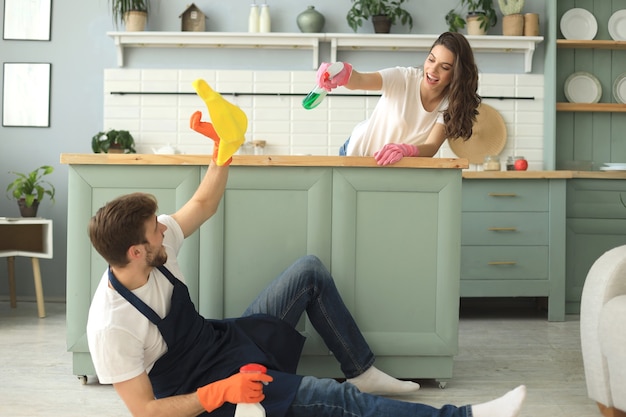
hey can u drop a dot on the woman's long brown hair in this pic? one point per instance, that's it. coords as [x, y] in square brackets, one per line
[463, 98]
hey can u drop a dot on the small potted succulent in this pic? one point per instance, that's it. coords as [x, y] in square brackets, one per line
[479, 17]
[113, 141]
[383, 13]
[29, 189]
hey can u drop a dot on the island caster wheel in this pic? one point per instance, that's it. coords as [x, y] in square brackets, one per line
[83, 379]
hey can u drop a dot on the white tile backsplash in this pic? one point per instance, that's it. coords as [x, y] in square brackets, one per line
[159, 120]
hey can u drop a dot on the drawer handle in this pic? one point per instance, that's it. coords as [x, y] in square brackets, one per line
[502, 263]
[502, 195]
[502, 229]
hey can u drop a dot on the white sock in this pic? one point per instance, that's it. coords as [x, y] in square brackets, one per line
[374, 381]
[509, 405]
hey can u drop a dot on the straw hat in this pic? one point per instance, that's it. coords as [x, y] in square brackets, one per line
[488, 136]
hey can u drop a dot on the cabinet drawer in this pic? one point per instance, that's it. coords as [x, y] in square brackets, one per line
[596, 199]
[505, 228]
[504, 262]
[505, 195]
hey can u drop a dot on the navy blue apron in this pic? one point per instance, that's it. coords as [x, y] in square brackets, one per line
[202, 351]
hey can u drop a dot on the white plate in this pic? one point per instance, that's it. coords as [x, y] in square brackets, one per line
[615, 164]
[612, 168]
[619, 88]
[617, 25]
[582, 87]
[579, 24]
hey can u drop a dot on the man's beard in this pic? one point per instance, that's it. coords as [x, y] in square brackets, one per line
[156, 258]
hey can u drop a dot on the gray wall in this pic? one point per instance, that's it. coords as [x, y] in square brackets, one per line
[79, 51]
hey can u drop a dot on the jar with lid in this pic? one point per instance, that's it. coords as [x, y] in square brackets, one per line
[491, 163]
[510, 163]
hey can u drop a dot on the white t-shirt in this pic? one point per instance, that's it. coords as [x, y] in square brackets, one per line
[398, 117]
[123, 343]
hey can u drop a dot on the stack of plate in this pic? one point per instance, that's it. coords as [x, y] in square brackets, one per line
[613, 166]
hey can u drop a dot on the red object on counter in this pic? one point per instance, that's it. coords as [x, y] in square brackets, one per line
[521, 164]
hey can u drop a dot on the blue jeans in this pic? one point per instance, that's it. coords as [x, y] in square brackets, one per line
[343, 149]
[308, 286]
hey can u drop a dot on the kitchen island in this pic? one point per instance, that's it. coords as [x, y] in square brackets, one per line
[389, 235]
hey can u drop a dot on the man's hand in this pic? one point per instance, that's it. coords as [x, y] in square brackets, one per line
[244, 387]
[229, 121]
[207, 130]
[394, 152]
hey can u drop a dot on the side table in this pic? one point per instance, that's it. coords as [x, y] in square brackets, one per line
[24, 236]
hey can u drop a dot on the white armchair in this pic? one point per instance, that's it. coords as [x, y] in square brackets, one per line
[603, 332]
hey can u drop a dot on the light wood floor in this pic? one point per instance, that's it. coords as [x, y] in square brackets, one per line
[499, 348]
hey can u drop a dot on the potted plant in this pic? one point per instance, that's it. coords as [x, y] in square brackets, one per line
[29, 189]
[390, 12]
[512, 20]
[479, 17]
[113, 141]
[132, 13]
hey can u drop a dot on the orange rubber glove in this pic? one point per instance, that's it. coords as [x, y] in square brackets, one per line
[244, 387]
[229, 121]
[207, 130]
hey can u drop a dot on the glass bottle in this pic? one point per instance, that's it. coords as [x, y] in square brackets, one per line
[253, 18]
[265, 24]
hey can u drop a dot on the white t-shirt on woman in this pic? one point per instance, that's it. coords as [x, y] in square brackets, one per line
[398, 117]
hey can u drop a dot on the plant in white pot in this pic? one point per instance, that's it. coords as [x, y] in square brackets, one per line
[383, 13]
[479, 16]
[133, 14]
[512, 20]
[113, 141]
[29, 189]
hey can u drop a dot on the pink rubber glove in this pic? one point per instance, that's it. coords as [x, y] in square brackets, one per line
[393, 152]
[327, 81]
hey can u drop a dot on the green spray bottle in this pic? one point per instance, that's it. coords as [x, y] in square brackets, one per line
[316, 96]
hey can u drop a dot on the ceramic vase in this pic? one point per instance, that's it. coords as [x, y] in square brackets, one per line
[310, 20]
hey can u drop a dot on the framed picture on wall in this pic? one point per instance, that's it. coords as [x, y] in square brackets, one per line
[26, 94]
[27, 20]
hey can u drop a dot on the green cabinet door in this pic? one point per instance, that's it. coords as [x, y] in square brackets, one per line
[395, 257]
[90, 187]
[596, 223]
[268, 218]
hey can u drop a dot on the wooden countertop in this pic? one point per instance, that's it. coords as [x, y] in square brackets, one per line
[258, 160]
[604, 175]
[329, 161]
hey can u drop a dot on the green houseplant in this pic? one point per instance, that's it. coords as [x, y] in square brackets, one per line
[113, 141]
[372, 9]
[131, 13]
[29, 189]
[480, 10]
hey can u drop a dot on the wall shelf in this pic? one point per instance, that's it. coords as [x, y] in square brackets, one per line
[390, 42]
[338, 41]
[591, 107]
[598, 44]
